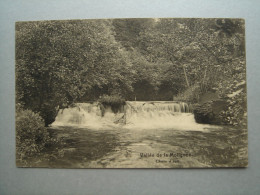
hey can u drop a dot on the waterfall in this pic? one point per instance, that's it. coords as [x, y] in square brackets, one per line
[86, 115]
[160, 115]
[134, 114]
[147, 106]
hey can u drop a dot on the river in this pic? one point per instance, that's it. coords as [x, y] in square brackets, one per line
[150, 135]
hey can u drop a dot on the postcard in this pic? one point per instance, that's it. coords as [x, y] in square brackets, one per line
[131, 93]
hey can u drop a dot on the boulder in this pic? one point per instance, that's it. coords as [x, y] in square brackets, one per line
[210, 112]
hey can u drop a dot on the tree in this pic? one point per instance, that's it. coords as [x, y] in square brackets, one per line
[58, 62]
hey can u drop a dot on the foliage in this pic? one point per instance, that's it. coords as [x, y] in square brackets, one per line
[58, 62]
[33, 139]
[192, 95]
[111, 100]
[31, 135]
[204, 113]
[115, 102]
[61, 62]
[235, 93]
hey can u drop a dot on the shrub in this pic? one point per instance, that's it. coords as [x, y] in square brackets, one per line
[48, 112]
[204, 113]
[191, 94]
[112, 100]
[31, 135]
[210, 112]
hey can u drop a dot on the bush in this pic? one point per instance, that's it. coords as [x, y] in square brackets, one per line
[112, 100]
[48, 112]
[236, 114]
[191, 94]
[204, 113]
[31, 135]
[210, 112]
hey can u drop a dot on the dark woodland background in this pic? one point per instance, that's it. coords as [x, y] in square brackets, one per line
[200, 61]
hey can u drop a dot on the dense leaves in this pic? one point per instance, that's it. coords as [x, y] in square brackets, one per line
[31, 135]
[58, 62]
[61, 62]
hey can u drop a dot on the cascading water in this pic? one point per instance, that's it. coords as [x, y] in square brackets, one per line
[133, 115]
[160, 115]
[86, 115]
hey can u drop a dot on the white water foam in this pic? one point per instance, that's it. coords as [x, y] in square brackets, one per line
[85, 115]
[135, 115]
[161, 115]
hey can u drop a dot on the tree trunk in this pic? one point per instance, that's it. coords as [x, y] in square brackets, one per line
[186, 78]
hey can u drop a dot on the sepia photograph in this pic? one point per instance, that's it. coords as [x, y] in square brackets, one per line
[131, 93]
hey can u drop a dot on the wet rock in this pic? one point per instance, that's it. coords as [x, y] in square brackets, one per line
[210, 112]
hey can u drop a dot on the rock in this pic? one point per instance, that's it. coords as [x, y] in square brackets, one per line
[210, 112]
